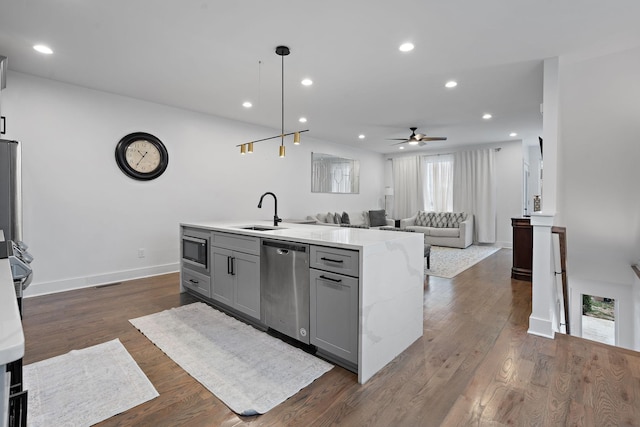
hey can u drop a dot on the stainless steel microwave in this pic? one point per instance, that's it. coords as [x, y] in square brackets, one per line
[195, 251]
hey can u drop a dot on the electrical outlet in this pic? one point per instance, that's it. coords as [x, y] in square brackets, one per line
[141, 253]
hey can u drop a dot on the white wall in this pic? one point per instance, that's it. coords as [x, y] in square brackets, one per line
[600, 133]
[84, 220]
[508, 179]
[599, 154]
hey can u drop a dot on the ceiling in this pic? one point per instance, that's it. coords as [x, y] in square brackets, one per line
[211, 56]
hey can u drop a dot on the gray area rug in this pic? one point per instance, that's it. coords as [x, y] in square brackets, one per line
[84, 387]
[449, 262]
[250, 371]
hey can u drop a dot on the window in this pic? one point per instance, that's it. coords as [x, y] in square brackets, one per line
[438, 183]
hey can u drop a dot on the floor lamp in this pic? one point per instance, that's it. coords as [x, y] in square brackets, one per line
[388, 192]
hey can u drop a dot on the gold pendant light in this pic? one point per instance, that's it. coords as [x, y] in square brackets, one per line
[282, 51]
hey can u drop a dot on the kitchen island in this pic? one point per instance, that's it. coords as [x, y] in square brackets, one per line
[370, 279]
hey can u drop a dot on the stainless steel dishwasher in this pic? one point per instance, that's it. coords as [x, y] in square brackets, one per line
[284, 288]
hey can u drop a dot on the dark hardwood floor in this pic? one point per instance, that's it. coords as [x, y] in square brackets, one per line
[475, 364]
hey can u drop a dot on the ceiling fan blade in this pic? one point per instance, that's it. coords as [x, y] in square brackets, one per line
[397, 139]
[434, 138]
[401, 142]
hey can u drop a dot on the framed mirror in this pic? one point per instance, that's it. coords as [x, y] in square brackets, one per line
[332, 174]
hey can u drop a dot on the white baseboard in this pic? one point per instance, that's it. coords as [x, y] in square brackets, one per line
[505, 244]
[44, 288]
[541, 327]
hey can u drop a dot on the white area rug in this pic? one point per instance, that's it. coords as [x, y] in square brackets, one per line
[449, 262]
[84, 387]
[250, 371]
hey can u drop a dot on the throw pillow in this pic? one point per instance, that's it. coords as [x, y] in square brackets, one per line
[377, 218]
[421, 219]
[322, 217]
[455, 219]
[337, 219]
[345, 218]
[330, 218]
[440, 220]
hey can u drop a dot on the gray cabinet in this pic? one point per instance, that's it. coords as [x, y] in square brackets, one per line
[334, 302]
[196, 281]
[235, 264]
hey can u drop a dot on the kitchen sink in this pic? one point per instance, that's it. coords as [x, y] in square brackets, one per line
[260, 228]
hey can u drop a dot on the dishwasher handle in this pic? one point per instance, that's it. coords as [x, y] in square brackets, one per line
[285, 247]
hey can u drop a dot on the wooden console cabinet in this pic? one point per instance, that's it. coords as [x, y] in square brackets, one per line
[522, 249]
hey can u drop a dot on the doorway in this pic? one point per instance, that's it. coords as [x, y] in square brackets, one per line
[598, 319]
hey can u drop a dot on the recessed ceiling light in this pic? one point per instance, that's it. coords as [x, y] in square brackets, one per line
[401, 148]
[513, 134]
[450, 84]
[43, 49]
[302, 120]
[487, 116]
[247, 104]
[406, 47]
[307, 82]
[361, 136]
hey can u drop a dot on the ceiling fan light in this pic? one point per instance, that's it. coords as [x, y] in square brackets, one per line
[413, 142]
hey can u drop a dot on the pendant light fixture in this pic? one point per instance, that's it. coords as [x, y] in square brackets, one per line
[281, 51]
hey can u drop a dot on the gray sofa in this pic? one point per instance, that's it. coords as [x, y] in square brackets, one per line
[360, 219]
[452, 229]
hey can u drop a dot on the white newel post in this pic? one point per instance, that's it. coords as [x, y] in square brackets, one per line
[542, 320]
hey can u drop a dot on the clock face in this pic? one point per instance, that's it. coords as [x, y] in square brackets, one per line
[141, 156]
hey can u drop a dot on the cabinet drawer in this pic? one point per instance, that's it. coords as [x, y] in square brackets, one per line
[196, 282]
[236, 242]
[341, 261]
[334, 314]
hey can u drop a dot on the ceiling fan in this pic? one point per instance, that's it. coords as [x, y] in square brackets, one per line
[417, 138]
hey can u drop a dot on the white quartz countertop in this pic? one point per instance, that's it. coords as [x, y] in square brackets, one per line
[341, 237]
[11, 335]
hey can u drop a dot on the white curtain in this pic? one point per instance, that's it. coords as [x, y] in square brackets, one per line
[475, 191]
[438, 183]
[408, 192]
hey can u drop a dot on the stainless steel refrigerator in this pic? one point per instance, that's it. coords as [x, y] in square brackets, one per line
[10, 190]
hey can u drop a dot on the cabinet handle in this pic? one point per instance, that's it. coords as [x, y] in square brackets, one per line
[332, 260]
[195, 282]
[323, 277]
[230, 266]
[4, 125]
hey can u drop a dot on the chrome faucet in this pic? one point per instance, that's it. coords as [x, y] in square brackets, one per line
[276, 220]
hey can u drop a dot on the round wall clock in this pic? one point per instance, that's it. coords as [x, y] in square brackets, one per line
[142, 156]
